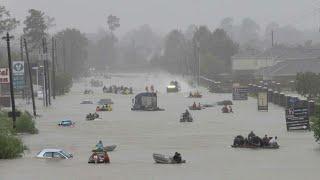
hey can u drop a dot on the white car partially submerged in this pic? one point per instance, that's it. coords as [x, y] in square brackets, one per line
[54, 154]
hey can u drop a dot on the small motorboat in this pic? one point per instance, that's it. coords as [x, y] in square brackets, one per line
[162, 159]
[256, 147]
[195, 108]
[106, 148]
[91, 117]
[104, 108]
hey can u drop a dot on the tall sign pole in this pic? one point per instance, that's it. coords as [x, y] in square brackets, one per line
[30, 78]
[53, 79]
[13, 105]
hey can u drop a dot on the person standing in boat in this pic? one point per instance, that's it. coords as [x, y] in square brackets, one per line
[99, 146]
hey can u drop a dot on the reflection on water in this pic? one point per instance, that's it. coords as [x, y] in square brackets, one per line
[205, 143]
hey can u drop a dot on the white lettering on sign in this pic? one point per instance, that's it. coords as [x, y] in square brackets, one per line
[4, 76]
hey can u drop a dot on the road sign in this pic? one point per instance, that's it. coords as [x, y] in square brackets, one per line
[18, 68]
[263, 101]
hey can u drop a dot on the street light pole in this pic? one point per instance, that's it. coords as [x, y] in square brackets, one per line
[13, 105]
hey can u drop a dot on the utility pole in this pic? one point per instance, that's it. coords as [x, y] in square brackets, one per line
[48, 75]
[30, 78]
[13, 105]
[272, 38]
[53, 79]
[64, 55]
[45, 71]
[24, 93]
[199, 63]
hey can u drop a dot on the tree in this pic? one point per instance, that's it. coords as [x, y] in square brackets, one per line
[103, 52]
[7, 23]
[308, 84]
[223, 47]
[113, 23]
[76, 55]
[249, 32]
[36, 27]
[139, 45]
[173, 51]
[227, 25]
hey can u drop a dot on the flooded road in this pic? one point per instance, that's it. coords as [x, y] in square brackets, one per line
[205, 143]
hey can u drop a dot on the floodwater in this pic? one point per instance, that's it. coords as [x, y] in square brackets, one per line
[205, 143]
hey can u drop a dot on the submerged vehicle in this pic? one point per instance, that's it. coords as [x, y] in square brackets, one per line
[162, 159]
[66, 123]
[106, 148]
[146, 102]
[173, 87]
[99, 157]
[54, 154]
[105, 101]
[86, 102]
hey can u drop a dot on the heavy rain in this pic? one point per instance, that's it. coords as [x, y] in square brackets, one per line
[157, 90]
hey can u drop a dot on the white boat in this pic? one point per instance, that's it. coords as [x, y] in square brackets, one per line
[162, 159]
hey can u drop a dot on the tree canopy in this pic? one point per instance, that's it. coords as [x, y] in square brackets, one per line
[7, 23]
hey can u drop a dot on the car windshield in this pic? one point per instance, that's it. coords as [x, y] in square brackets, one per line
[65, 154]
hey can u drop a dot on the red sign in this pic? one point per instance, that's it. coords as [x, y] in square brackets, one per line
[4, 76]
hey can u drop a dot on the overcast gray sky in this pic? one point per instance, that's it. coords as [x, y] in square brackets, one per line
[164, 15]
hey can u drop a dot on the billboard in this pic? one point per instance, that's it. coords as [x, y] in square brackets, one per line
[263, 101]
[4, 76]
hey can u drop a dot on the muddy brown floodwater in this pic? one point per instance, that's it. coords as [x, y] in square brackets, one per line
[205, 143]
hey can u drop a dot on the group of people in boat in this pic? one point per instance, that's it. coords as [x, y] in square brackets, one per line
[195, 95]
[106, 107]
[99, 155]
[92, 116]
[195, 106]
[88, 91]
[96, 83]
[151, 89]
[255, 141]
[227, 109]
[186, 117]
[118, 89]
